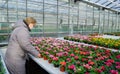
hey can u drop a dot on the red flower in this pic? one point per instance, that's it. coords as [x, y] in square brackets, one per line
[118, 56]
[91, 63]
[87, 73]
[102, 68]
[117, 63]
[114, 71]
[107, 51]
[72, 67]
[110, 60]
[84, 59]
[98, 70]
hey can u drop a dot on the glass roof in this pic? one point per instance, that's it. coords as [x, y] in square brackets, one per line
[52, 4]
[112, 4]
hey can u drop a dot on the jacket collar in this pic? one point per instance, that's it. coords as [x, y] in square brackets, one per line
[27, 26]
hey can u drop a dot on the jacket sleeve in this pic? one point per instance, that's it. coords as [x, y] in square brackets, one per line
[23, 38]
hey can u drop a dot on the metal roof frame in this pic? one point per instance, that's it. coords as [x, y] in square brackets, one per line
[100, 5]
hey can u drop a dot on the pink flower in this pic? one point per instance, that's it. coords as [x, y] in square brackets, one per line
[59, 54]
[76, 57]
[65, 53]
[47, 53]
[108, 63]
[118, 56]
[118, 67]
[87, 66]
[55, 58]
[114, 71]
[49, 49]
[72, 67]
[65, 49]
[51, 56]
[72, 55]
[68, 59]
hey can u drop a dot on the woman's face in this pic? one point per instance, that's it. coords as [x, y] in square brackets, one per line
[31, 25]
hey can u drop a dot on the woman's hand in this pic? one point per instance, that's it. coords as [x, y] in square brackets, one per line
[39, 55]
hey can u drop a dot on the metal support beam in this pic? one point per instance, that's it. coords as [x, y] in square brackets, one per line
[109, 4]
[97, 1]
[104, 2]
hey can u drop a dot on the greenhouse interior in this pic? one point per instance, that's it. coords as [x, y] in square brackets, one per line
[67, 37]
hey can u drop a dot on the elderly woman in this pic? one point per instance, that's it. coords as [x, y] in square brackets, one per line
[19, 46]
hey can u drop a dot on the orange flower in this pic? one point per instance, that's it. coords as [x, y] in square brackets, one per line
[81, 52]
[63, 63]
[98, 54]
[91, 63]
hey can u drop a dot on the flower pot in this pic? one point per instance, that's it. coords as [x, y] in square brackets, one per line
[62, 68]
[56, 65]
[45, 58]
[49, 61]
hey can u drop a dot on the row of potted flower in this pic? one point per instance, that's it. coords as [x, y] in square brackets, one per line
[113, 33]
[95, 34]
[3, 38]
[2, 70]
[77, 58]
[96, 40]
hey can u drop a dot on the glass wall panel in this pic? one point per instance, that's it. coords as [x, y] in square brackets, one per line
[50, 19]
[110, 21]
[82, 17]
[106, 21]
[63, 14]
[3, 11]
[89, 19]
[96, 19]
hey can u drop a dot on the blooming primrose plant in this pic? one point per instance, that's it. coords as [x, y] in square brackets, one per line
[79, 58]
